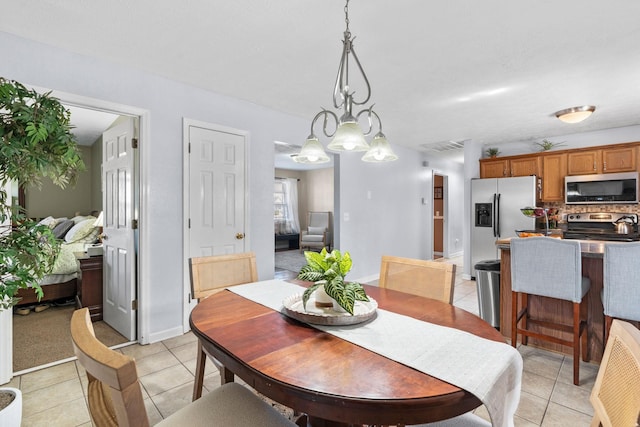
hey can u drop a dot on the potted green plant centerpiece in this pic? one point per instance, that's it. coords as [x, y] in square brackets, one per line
[328, 270]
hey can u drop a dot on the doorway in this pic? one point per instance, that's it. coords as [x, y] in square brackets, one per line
[439, 216]
[84, 116]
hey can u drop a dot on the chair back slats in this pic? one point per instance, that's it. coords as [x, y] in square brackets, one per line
[431, 279]
[114, 390]
[211, 274]
[616, 392]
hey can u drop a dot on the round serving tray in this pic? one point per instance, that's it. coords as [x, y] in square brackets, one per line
[363, 311]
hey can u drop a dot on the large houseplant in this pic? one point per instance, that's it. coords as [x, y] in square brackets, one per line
[35, 142]
[328, 269]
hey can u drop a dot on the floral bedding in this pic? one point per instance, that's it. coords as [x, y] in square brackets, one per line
[66, 262]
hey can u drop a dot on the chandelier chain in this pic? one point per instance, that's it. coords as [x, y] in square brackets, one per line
[346, 16]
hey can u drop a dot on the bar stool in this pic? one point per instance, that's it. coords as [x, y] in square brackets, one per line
[551, 268]
[621, 283]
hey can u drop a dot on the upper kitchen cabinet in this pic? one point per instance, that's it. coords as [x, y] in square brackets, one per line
[619, 159]
[554, 169]
[525, 165]
[583, 162]
[603, 160]
[494, 168]
[512, 166]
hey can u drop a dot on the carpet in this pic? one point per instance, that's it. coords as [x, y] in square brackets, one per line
[290, 260]
[45, 337]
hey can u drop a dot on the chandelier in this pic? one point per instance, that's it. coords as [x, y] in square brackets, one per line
[348, 136]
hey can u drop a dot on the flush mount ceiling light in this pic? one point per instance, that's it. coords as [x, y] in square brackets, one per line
[348, 136]
[575, 114]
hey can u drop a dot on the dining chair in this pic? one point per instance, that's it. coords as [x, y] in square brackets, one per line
[431, 279]
[621, 293]
[551, 268]
[211, 274]
[115, 397]
[616, 393]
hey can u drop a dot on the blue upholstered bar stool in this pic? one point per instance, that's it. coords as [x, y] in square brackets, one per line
[621, 283]
[551, 268]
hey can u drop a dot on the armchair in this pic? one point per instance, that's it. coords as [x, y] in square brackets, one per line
[319, 232]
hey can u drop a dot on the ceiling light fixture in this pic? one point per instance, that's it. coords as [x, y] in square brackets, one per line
[348, 136]
[575, 114]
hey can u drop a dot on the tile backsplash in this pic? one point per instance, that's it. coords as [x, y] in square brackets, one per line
[564, 209]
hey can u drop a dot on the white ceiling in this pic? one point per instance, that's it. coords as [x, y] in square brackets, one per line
[88, 125]
[493, 71]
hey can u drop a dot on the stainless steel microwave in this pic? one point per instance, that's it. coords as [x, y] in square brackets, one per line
[610, 188]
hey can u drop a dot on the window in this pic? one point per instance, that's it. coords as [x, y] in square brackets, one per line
[285, 206]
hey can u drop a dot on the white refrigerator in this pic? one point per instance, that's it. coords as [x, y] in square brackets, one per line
[495, 213]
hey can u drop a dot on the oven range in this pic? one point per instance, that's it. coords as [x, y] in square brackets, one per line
[602, 226]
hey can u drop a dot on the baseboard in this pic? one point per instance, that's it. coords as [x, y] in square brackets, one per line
[456, 254]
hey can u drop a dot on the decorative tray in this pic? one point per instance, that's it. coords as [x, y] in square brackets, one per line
[362, 312]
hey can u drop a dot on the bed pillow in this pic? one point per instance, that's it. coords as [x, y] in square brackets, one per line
[48, 221]
[61, 229]
[79, 218]
[81, 231]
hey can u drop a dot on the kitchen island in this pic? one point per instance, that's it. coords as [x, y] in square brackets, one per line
[558, 310]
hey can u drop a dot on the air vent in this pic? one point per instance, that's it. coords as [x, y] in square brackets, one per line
[444, 146]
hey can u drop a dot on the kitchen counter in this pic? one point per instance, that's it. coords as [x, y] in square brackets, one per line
[588, 248]
[558, 310]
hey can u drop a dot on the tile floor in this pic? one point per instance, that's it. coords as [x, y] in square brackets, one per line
[56, 396]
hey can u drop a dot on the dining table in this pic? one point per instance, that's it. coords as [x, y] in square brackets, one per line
[334, 381]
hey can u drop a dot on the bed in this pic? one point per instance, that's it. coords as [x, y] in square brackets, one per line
[61, 283]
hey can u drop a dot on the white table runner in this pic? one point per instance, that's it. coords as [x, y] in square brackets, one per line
[490, 370]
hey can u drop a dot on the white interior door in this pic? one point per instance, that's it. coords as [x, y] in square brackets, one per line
[118, 206]
[216, 205]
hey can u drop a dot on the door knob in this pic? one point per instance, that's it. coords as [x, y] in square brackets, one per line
[104, 237]
[239, 236]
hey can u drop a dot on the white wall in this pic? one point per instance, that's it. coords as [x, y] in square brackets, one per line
[167, 102]
[383, 202]
[51, 200]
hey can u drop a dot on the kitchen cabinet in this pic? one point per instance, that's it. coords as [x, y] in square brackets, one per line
[513, 166]
[494, 168]
[583, 162]
[554, 169]
[603, 160]
[525, 165]
[619, 159]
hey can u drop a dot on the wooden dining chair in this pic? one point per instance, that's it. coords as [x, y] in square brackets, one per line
[550, 268]
[431, 279]
[115, 397]
[211, 274]
[616, 393]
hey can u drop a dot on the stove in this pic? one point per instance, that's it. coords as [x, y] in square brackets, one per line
[599, 226]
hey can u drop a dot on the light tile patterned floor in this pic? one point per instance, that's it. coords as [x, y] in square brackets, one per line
[56, 396]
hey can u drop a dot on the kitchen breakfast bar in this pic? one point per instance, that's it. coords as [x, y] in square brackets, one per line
[558, 310]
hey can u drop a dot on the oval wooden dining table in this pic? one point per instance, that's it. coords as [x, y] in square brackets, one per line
[333, 381]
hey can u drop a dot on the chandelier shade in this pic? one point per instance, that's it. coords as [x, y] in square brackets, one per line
[575, 114]
[380, 150]
[312, 152]
[348, 135]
